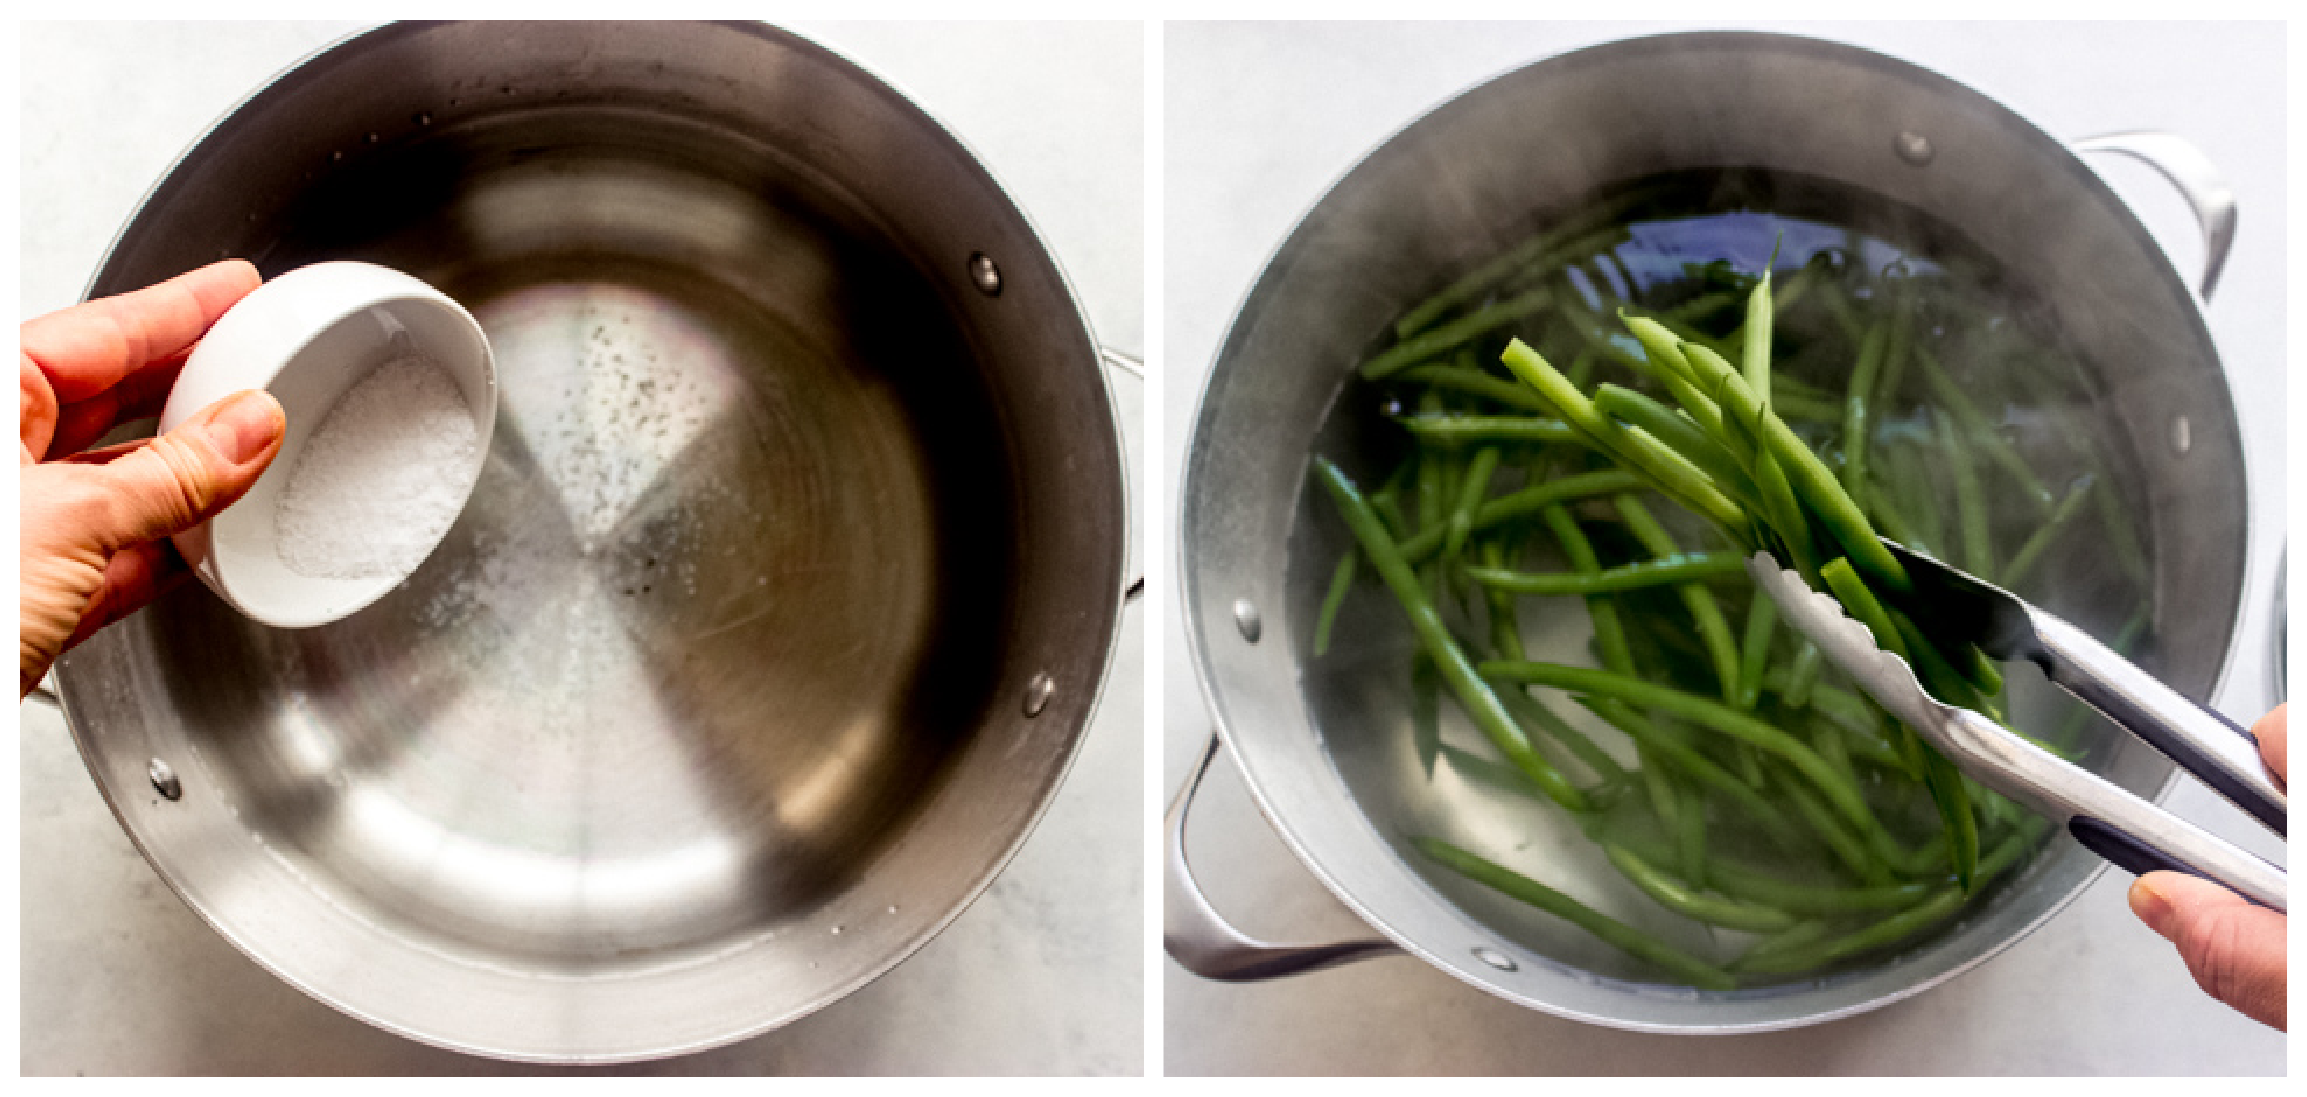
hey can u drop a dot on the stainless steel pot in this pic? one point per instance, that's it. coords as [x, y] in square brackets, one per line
[778, 612]
[1459, 184]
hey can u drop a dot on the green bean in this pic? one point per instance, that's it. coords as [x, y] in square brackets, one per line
[1682, 435]
[1784, 386]
[1668, 365]
[1689, 968]
[1893, 519]
[1847, 847]
[1895, 928]
[1704, 611]
[1532, 711]
[1791, 293]
[1449, 336]
[1841, 706]
[1998, 449]
[2032, 551]
[1523, 502]
[1970, 503]
[1389, 510]
[1505, 629]
[1754, 650]
[1497, 775]
[2121, 537]
[1597, 339]
[1759, 887]
[1663, 802]
[1482, 706]
[1690, 830]
[1679, 479]
[1458, 430]
[1896, 355]
[1471, 492]
[1609, 632]
[1518, 259]
[1675, 477]
[1581, 369]
[1341, 580]
[1720, 717]
[1701, 306]
[1474, 382]
[1980, 671]
[1947, 787]
[1810, 478]
[1891, 930]
[1856, 409]
[1695, 337]
[1681, 568]
[1838, 305]
[1852, 592]
[1426, 711]
[1430, 470]
[1756, 339]
[1678, 897]
[1917, 502]
[1802, 935]
[1795, 405]
[1939, 774]
[1801, 679]
[1784, 512]
[1865, 740]
[1688, 762]
[1387, 499]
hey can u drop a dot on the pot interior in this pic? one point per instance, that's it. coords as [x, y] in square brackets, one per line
[723, 602]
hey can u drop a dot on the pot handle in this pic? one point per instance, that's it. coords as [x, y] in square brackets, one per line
[1203, 942]
[2197, 179]
[1124, 361]
[1134, 366]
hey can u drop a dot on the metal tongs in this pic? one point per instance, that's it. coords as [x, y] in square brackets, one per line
[2128, 831]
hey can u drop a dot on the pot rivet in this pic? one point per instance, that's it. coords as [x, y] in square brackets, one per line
[984, 275]
[424, 118]
[1494, 958]
[336, 155]
[1037, 693]
[1914, 148]
[372, 138]
[2182, 435]
[1246, 619]
[164, 781]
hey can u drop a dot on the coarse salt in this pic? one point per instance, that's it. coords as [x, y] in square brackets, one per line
[382, 478]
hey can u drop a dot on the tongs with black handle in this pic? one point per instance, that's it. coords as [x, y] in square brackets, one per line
[2126, 830]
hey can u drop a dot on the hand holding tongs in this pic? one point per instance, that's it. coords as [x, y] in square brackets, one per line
[2124, 829]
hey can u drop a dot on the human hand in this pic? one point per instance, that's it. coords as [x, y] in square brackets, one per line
[2233, 947]
[95, 525]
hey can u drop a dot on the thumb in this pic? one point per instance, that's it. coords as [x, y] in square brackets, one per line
[2234, 948]
[186, 476]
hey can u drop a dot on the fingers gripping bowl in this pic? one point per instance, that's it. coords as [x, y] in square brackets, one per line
[314, 337]
[1325, 748]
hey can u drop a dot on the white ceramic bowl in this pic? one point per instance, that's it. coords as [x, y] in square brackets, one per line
[307, 336]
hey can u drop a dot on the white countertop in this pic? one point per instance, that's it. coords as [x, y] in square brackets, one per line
[1044, 974]
[1261, 118]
